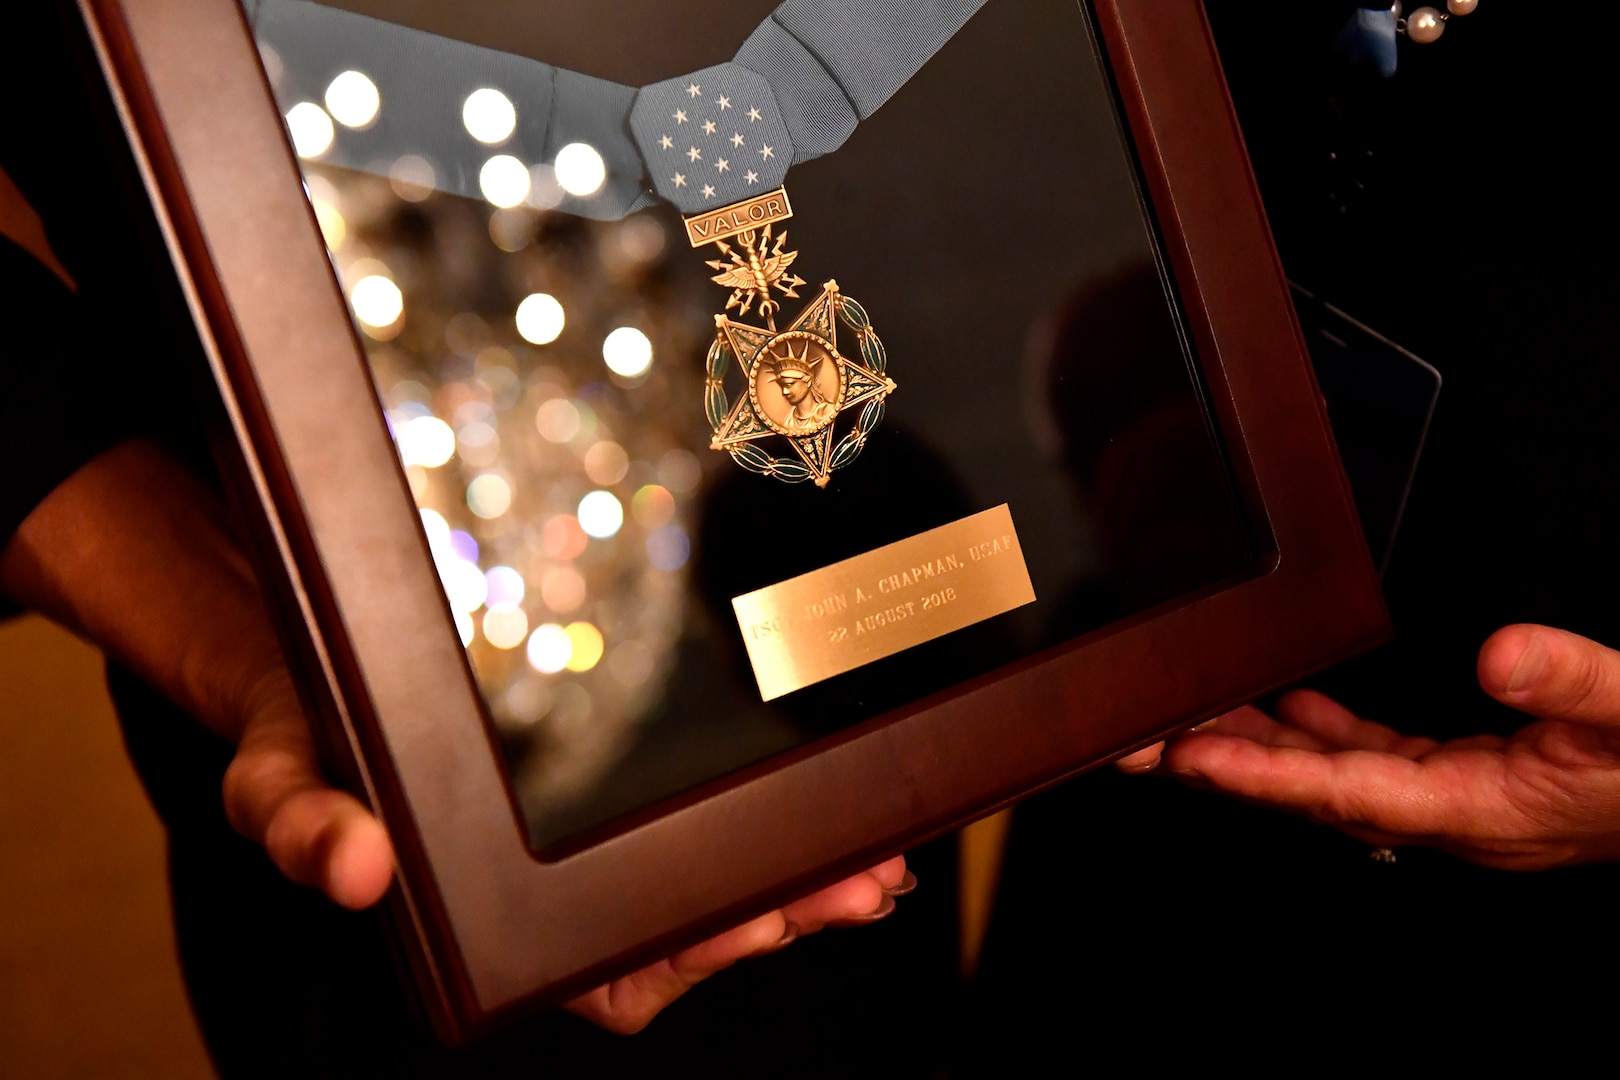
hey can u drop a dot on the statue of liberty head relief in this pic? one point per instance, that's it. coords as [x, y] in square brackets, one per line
[810, 391]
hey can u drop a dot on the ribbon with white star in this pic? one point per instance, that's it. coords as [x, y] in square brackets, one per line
[795, 90]
[712, 138]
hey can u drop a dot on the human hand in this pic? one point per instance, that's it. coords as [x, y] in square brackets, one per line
[276, 795]
[1547, 796]
[627, 1005]
[133, 554]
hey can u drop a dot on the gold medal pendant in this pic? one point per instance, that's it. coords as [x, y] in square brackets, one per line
[799, 386]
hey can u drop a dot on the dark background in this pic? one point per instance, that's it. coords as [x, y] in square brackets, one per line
[1467, 212]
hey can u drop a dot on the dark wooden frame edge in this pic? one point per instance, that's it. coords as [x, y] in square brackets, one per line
[489, 929]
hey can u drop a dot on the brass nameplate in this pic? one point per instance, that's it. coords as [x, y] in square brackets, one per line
[738, 218]
[851, 613]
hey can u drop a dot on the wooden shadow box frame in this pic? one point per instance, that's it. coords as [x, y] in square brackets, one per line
[489, 929]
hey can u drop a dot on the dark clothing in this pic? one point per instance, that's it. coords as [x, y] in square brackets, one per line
[49, 424]
[1459, 209]
[83, 371]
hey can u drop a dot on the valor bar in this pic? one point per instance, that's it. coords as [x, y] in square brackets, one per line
[738, 218]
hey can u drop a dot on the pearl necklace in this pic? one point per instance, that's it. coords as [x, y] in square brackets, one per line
[1426, 24]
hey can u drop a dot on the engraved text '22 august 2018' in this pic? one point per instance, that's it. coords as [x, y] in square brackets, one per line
[843, 616]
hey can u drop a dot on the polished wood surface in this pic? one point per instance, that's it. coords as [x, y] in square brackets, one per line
[488, 927]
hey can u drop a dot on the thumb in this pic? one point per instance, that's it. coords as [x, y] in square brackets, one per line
[316, 835]
[1552, 674]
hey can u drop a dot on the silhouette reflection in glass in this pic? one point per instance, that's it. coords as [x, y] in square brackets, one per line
[1122, 416]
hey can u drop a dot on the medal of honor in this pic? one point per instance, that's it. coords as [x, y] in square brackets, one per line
[797, 384]
[717, 145]
[806, 391]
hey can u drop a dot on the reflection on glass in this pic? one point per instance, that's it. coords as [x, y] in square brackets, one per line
[537, 344]
[504, 180]
[628, 352]
[353, 100]
[311, 129]
[580, 170]
[540, 319]
[523, 455]
[490, 116]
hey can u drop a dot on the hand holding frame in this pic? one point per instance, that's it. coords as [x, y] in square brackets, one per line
[134, 555]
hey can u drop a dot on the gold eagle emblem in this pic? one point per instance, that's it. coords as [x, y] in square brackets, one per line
[752, 272]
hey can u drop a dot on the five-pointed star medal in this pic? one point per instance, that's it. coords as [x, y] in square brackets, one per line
[755, 346]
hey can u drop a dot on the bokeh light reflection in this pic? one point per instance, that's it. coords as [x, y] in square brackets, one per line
[504, 180]
[426, 441]
[601, 515]
[409, 394]
[413, 178]
[464, 584]
[586, 646]
[377, 301]
[489, 496]
[570, 719]
[505, 626]
[334, 230]
[353, 99]
[323, 197]
[580, 170]
[540, 443]
[489, 116]
[550, 649]
[528, 700]
[437, 529]
[506, 587]
[464, 545]
[563, 539]
[563, 589]
[511, 229]
[480, 446]
[544, 191]
[558, 420]
[669, 548]
[653, 507]
[311, 129]
[502, 382]
[540, 320]
[641, 239]
[606, 463]
[628, 352]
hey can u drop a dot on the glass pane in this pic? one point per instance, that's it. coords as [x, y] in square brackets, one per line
[541, 359]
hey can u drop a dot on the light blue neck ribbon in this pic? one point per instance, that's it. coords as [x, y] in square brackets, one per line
[795, 90]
